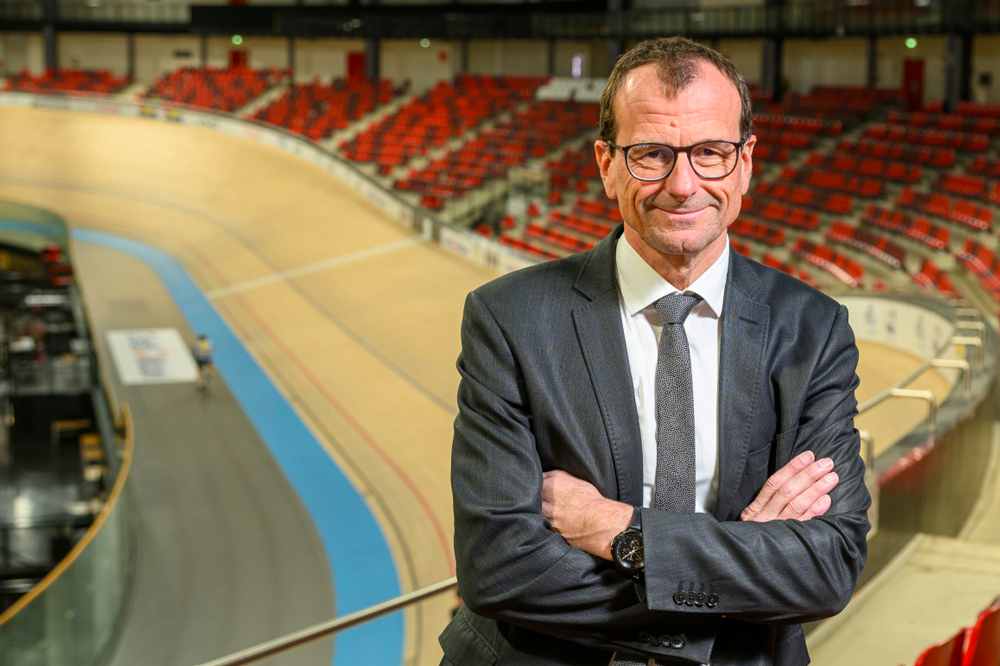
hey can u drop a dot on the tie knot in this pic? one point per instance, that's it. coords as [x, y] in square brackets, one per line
[674, 308]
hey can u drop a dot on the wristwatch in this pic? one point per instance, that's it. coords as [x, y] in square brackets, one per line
[626, 548]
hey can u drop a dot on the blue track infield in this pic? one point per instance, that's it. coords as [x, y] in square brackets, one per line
[363, 570]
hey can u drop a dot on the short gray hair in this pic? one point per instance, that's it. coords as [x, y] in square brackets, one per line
[677, 60]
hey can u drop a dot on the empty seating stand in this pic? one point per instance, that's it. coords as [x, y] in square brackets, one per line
[870, 243]
[963, 141]
[835, 263]
[761, 233]
[318, 109]
[526, 247]
[941, 158]
[951, 122]
[785, 139]
[955, 210]
[532, 132]
[932, 277]
[219, 89]
[576, 163]
[780, 213]
[569, 242]
[444, 112]
[974, 187]
[912, 226]
[978, 110]
[801, 195]
[763, 152]
[99, 81]
[596, 229]
[796, 124]
[982, 262]
[985, 166]
[849, 104]
[605, 210]
[859, 186]
[902, 172]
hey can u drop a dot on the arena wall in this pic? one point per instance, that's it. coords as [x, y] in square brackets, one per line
[807, 63]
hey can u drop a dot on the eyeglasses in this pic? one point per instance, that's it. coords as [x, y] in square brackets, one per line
[710, 160]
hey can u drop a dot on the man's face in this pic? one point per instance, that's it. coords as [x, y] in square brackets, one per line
[682, 214]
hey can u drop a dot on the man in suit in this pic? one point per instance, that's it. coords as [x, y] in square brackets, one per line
[556, 453]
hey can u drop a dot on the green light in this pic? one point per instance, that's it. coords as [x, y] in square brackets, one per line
[237, 40]
[911, 43]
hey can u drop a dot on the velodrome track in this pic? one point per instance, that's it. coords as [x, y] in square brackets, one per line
[354, 318]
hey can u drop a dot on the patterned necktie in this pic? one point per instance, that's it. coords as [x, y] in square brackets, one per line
[675, 472]
[675, 476]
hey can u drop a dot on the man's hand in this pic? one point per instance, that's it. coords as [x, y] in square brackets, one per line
[799, 490]
[577, 511]
[581, 515]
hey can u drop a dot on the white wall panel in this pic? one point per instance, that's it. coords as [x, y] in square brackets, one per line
[94, 51]
[403, 59]
[156, 55]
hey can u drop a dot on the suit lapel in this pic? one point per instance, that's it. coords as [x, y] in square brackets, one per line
[742, 342]
[602, 343]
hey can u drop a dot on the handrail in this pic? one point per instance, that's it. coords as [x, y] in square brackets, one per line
[973, 342]
[975, 313]
[92, 531]
[959, 364]
[323, 629]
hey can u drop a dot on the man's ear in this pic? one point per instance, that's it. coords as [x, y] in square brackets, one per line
[746, 158]
[604, 153]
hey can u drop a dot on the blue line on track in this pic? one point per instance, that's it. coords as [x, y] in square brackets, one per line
[364, 573]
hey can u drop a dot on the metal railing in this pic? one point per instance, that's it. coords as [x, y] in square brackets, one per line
[330, 627]
[899, 390]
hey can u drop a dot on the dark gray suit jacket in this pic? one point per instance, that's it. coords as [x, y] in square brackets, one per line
[545, 385]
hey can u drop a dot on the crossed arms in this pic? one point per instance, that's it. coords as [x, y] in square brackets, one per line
[532, 550]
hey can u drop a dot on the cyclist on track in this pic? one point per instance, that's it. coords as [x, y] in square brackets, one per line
[202, 352]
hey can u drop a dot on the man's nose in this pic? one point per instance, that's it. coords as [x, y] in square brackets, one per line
[682, 181]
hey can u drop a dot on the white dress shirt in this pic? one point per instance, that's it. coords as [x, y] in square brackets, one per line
[639, 287]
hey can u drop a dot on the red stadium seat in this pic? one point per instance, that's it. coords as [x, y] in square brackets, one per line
[982, 647]
[947, 653]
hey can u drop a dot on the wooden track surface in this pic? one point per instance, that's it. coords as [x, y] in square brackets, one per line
[364, 346]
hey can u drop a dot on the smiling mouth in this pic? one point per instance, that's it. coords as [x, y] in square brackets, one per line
[680, 214]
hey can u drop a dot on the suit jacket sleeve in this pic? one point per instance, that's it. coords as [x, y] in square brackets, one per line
[780, 571]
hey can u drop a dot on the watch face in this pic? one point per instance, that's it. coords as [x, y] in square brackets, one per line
[628, 551]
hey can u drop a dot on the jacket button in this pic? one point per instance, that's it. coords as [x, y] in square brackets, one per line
[656, 639]
[701, 599]
[691, 597]
[676, 642]
[712, 601]
[643, 636]
[679, 597]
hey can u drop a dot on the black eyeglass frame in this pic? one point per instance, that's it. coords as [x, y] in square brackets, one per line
[677, 150]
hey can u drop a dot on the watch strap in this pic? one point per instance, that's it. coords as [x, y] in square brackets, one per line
[636, 522]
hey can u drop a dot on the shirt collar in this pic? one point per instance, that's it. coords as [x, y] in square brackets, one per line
[641, 286]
